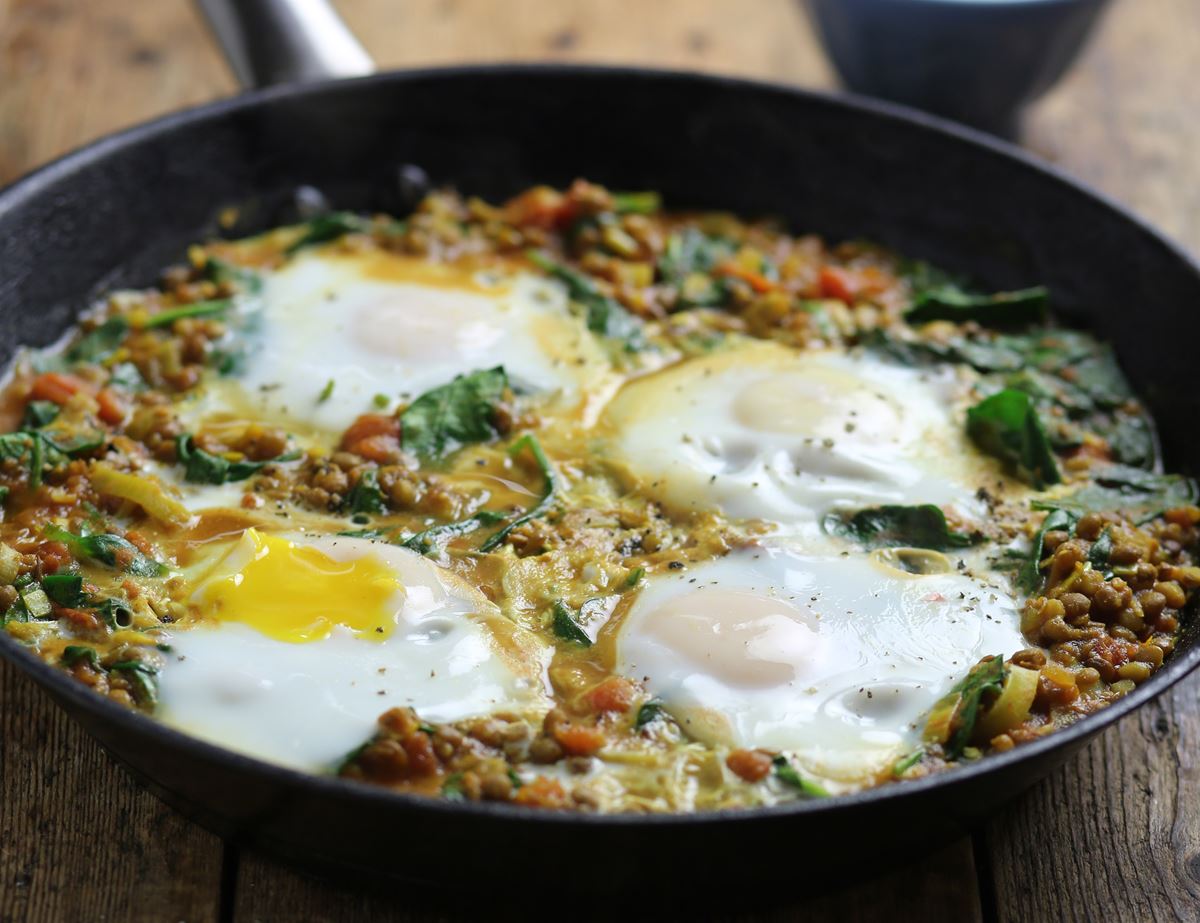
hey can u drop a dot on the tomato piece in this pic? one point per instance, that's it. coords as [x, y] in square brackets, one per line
[112, 408]
[56, 386]
[751, 765]
[54, 556]
[755, 280]
[614, 694]
[542, 793]
[373, 435]
[540, 206]
[839, 283]
[579, 741]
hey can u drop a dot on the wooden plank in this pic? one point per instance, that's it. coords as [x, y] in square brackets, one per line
[939, 889]
[79, 840]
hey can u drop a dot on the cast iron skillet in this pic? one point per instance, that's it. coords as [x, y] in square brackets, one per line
[117, 211]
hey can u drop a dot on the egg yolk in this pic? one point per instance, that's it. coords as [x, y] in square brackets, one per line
[297, 593]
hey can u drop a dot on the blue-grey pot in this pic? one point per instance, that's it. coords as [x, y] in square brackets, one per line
[975, 61]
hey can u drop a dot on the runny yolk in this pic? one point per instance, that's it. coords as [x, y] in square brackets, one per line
[298, 593]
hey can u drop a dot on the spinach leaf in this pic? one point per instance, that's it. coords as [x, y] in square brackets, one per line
[1003, 309]
[101, 342]
[958, 711]
[365, 496]
[64, 589]
[1007, 426]
[125, 375]
[787, 773]
[1101, 551]
[635, 577]
[984, 354]
[605, 316]
[110, 550]
[220, 271]
[549, 486]
[195, 309]
[1140, 495]
[921, 526]
[433, 541]
[39, 414]
[142, 677]
[201, 467]
[38, 453]
[649, 712]
[73, 653]
[565, 626]
[686, 265]
[1029, 577]
[453, 415]
[327, 227]
[75, 443]
[452, 788]
[636, 203]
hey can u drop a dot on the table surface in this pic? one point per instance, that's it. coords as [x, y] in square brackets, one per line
[1115, 833]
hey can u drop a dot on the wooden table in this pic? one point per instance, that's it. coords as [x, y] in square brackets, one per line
[1114, 835]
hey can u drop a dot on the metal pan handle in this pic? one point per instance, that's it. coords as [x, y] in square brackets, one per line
[284, 41]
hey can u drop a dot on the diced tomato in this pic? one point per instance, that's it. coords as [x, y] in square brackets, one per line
[579, 741]
[56, 386]
[112, 408]
[614, 694]
[755, 280]
[751, 765]
[540, 206]
[542, 793]
[79, 618]
[839, 283]
[139, 542]
[375, 436]
[54, 556]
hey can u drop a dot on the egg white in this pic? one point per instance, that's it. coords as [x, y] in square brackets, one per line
[381, 325]
[835, 659]
[306, 705]
[759, 431]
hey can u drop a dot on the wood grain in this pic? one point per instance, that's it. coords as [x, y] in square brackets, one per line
[1116, 834]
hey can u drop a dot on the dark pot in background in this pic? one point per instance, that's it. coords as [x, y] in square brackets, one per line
[974, 61]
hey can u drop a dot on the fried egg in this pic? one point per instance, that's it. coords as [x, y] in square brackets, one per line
[333, 335]
[759, 431]
[833, 659]
[301, 642]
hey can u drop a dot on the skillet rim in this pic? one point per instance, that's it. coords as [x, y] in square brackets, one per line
[61, 686]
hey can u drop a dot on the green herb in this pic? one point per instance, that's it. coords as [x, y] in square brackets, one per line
[453, 415]
[1140, 495]
[101, 342]
[1101, 550]
[64, 589]
[219, 271]
[452, 788]
[787, 773]
[75, 443]
[115, 613]
[1003, 309]
[201, 467]
[638, 203]
[1007, 426]
[528, 441]
[40, 453]
[142, 677]
[327, 227]
[565, 626]
[514, 778]
[959, 709]
[110, 550]
[604, 315]
[905, 763]
[921, 526]
[381, 401]
[1029, 578]
[125, 375]
[635, 576]
[365, 496]
[686, 265]
[433, 541]
[4, 491]
[427, 729]
[74, 653]
[649, 712]
[326, 392]
[195, 309]
[39, 413]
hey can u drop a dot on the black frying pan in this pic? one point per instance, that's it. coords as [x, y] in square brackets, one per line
[117, 211]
